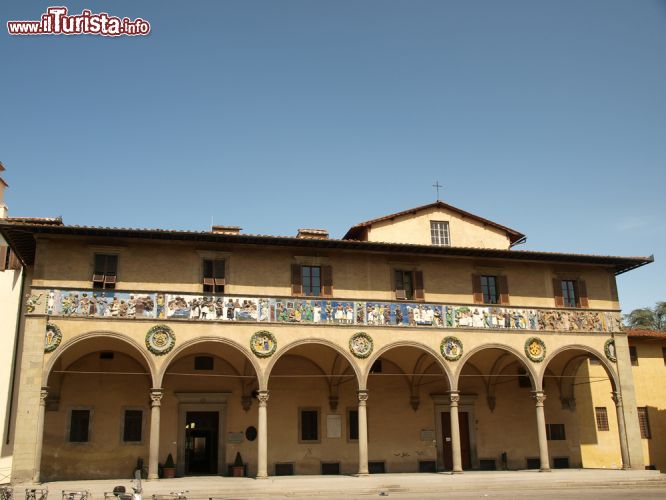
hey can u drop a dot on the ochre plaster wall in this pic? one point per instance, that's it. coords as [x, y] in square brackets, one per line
[254, 271]
[415, 229]
[649, 392]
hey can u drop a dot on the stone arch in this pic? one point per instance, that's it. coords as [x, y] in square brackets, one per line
[519, 356]
[566, 380]
[200, 340]
[407, 343]
[327, 343]
[102, 334]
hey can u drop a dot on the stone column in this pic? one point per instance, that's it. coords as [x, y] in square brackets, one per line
[362, 433]
[455, 432]
[617, 398]
[624, 386]
[153, 459]
[262, 436]
[40, 433]
[540, 397]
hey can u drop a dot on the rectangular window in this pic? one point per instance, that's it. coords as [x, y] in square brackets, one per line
[602, 418]
[203, 363]
[644, 422]
[404, 285]
[132, 426]
[79, 426]
[555, 432]
[309, 425]
[489, 289]
[311, 280]
[213, 276]
[105, 271]
[633, 355]
[352, 425]
[569, 293]
[439, 233]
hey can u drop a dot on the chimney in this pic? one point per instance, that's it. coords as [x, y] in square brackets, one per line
[312, 234]
[226, 229]
[3, 186]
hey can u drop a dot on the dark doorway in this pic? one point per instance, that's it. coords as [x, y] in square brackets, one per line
[201, 438]
[465, 447]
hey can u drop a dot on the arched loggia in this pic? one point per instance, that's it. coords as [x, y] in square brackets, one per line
[406, 382]
[314, 400]
[499, 388]
[96, 410]
[208, 389]
[574, 376]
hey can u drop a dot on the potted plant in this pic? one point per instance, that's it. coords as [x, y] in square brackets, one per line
[238, 469]
[169, 469]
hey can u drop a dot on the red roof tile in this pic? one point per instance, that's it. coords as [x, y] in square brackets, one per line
[650, 334]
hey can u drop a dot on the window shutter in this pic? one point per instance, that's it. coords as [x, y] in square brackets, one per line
[557, 289]
[3, 257]
[218, 268]
[100, 264]
[419, 291]
[327, 280]
[476, 289]
[112, 265]
[503, 283]
[582, 294]
[296, 280]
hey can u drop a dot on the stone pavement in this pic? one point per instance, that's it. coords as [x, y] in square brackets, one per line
[408, 485]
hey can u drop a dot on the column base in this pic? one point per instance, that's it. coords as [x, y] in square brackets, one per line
[261, 477]
[457, 471]
[152, 477]
[544, 470]
[362, 474]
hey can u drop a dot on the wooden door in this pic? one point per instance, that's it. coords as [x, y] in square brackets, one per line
[465, 446]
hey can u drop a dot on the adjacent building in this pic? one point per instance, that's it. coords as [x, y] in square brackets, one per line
[420, 341]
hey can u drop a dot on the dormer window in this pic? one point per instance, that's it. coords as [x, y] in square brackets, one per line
[439, 233]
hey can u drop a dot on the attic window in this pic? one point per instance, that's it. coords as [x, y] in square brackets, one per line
[439, 233]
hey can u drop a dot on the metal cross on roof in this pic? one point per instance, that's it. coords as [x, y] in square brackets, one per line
[437, 185]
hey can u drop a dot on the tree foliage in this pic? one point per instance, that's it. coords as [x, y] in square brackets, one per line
[648, 318]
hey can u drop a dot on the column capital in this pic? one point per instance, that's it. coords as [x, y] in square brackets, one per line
[539, 397]
[617, 398]
[262, 396]
[454, 397]
[156, 397]
[362, 397]
[43, 394]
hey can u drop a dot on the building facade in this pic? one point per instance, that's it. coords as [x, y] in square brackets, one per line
[421, 341]
[11, 282]
[647, 352]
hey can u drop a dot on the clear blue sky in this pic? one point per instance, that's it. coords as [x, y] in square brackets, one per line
[549, 117]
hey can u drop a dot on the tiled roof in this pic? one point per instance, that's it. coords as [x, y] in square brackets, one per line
[54, 221]
[355, 231]
[21, 236]
[649, 334]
